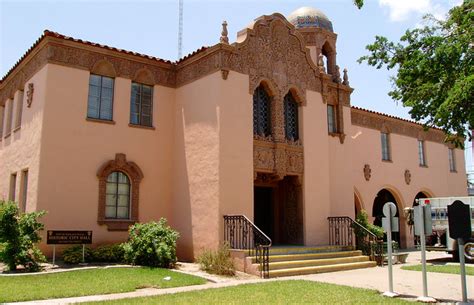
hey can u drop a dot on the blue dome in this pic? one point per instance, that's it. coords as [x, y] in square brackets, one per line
[308, 17]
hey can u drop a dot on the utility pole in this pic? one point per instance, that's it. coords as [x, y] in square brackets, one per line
[180, 30]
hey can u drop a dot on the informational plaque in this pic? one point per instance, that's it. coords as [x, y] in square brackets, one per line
[69, 237]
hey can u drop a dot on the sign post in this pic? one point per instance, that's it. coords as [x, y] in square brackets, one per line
[67, 237]
[423, 226]
[390, 224]
[459, 222]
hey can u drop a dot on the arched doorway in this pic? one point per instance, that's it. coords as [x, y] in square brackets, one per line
[383, 197]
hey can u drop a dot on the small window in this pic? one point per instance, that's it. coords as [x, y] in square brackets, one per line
[2, 115]
[12, 194]
[23, 190]
[332, 122]
[291, 118]
[261, 112]
[101, 96]
[117, 196]
[385, 146]
[452, 160]
[9, 108]
[19, 110]
[421, 153]
[141, 105]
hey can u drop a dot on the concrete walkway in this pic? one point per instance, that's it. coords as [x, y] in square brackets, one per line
[443, 287]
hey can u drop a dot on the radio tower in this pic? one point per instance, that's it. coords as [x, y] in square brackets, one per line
[180, 30]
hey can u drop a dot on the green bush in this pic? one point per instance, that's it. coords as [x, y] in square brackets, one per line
[19, 234]
[113, 253]
[73, 255]
[217, 262]
[363, 219]
[151, 244]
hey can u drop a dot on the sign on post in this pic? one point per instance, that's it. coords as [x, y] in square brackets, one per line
[390, 224]
[459, 222]
[425, 217]
[423, 227]
[68, 237]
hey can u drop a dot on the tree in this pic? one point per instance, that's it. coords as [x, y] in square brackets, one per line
[435, 75]
[19, 232]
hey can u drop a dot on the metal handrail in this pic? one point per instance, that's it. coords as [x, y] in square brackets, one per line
[345, 238]
[241, 233]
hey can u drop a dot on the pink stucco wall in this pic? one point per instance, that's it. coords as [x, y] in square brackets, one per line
[435, 180]
[21, 150]
[73, 150]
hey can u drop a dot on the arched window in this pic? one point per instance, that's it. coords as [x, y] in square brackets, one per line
[117, 196]
[261, 112]
[119, 189]
[291, 117]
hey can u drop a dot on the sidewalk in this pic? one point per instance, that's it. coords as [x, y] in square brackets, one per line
[443, 287]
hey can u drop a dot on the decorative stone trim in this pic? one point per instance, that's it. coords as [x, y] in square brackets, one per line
[100, 121]
[393, 125]
[367, 172]
[407, 175]
[141, 126]
[278, 159]
[135, 175]
[29, 94]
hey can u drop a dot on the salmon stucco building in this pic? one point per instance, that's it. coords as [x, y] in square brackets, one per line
[263, 127]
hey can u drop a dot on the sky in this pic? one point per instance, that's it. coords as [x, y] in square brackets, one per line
[151, 27]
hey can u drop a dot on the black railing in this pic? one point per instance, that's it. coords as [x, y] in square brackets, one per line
[241, 233]
[344, 231]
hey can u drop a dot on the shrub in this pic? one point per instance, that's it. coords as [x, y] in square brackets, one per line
[73, 255]
[19, 234]
[151, 244]
[109, 253]
[363, 219]
[217, 262]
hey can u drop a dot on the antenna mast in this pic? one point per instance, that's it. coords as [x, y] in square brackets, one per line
[180, 31]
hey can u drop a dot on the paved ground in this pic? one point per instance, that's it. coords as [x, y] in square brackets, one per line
[443, 287]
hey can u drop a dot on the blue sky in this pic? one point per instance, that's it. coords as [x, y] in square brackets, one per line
[151, 27]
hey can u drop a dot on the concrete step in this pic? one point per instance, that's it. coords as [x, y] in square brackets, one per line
[310, 256]
[317, 262]
[320, 269]
[280, 250]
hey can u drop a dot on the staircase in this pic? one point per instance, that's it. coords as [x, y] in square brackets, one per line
[292, 260]
[253, 252]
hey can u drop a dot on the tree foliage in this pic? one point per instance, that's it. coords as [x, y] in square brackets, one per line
[19, 233]
[435, 70]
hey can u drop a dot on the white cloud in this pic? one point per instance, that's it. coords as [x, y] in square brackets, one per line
[400, 10]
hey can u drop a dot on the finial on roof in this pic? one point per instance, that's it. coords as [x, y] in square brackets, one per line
[224, 33]
[345, 78]
[337, 75]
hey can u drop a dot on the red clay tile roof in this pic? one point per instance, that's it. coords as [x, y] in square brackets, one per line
[61, 36]
[392, 116]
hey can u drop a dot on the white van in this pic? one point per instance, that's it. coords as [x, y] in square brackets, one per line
[440, 240]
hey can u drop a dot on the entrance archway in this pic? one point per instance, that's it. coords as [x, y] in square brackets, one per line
[383, 197]
[278, 209]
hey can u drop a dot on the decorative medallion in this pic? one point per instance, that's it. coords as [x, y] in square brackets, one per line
[407, 176]
[29, 94]
[367, 172]
[224, 74]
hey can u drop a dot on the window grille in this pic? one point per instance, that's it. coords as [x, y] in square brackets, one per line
[261, 112]
[291, 117]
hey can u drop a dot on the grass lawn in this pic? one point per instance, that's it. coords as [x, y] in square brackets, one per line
[89, 282]
[277, 292]
[453, 269]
